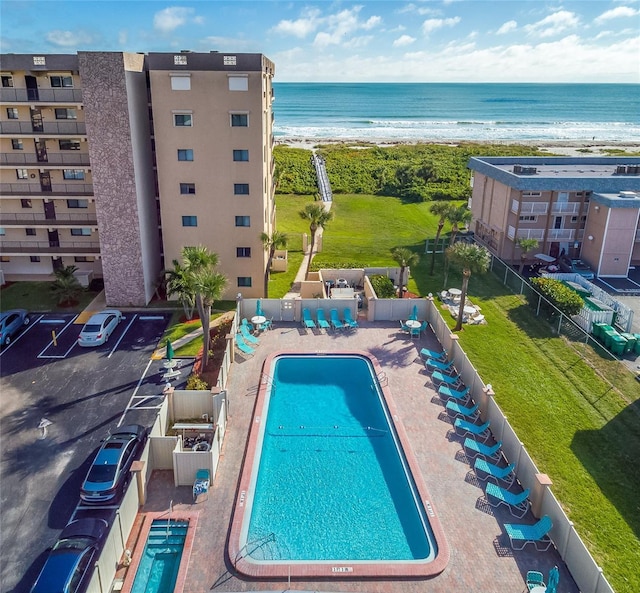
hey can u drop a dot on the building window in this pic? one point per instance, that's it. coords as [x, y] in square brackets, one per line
[66, 113]
[180, 60]
[61, 81]
[83, 259]
[241, 189]
[531, 194]
[22, 174]
[189, 221]
[39, 61]
[185, 154]
[4, 259]
[229, 60]
[243, 251]
[574, 219]
[239, 120]
[69, 144]
[239, 83]
[72, 173]
[187, 188]
[180, 82]
[7, 81]
[182, 120]
[240, 155]
[528, 218]
[34, 259]
[12, 112]
[16, 144]
[77, 203]
[26, 203]
[30, 232]
[80, 232]
[244, 281]
[3, 232]
[243, 220]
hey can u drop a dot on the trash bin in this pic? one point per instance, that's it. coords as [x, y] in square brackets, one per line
[608, 336]
[631, 342]
[636, 348]
[597, 329]
[618, 344]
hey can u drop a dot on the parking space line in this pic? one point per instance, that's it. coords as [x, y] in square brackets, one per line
[129, 406]
[122, 336]
[21, 334]
[41, 355]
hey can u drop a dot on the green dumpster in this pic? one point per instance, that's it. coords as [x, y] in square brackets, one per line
[597, 329]
[608, 336]
[618, 344]
[631, 342]
[636, 348]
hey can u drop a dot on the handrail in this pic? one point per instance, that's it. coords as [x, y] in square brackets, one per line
[259, 542]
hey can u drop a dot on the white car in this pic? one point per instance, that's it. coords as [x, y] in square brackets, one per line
[98, 329]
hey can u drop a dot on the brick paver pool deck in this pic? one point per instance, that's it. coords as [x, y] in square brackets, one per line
[481, 559]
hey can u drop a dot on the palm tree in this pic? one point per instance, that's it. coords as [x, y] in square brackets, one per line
[440, 209]
[404, 258]
[66, 287]
[470, 258]
[525, 245]
[318, 217]
[277, 240]
[180, 284]
[458, 217]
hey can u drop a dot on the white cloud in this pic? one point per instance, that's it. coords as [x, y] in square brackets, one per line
[432, 24]
[615, 13]
[554, 24]
[70, 38]
[507, 27]
[421, 10]
[301, 27]
[172, 17]
[372, 22]
[403, 40]
[342, 24]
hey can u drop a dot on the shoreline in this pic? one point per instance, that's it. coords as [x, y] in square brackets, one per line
[558, 147]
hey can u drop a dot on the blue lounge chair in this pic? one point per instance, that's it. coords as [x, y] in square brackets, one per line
[436, 365]
[335, 319]
[246, 334]
[201, 484]
[425, 353]
[477, 430]
[350, 321]
[458, 395]
[453, 380]
[518, 504]
[306, 319]
[475, 449]
[535, 579]
[459, 411]
[243, 346]
[322, 320]
[530, 534]
[486, 471]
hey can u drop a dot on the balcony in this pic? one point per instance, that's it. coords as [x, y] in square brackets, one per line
[52, 159]
[58, 128]
[16, 190]
[538, 234]
[13, 95]
[537, 208]
[19, 219]
[565, 208]
[45, 248]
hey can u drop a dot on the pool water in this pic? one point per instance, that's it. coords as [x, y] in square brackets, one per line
[158, 569]
[332, 483]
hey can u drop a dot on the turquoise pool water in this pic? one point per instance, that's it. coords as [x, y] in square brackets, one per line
[158, 569]
[332, 482]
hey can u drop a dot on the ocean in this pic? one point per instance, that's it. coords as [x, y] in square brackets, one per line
[449, 112]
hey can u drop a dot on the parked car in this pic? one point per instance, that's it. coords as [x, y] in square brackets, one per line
[576, 266]
[10, 323]
[109, 472]
[70, 563]
[99, 327]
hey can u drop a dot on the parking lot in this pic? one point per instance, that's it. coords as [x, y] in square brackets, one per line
[58, 401]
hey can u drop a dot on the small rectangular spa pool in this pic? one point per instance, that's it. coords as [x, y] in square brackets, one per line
[330, 486]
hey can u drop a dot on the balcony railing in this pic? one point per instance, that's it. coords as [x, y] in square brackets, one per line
[57, 189]
[538, 234]
[74, 128]
[565, 207]
[533, 208]
[52, 158]
[44, 247]
[39, 218]
[13, 95]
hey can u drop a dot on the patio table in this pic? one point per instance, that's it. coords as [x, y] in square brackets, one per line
[412, 324]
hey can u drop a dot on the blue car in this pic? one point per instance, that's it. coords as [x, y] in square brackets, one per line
[10, 324]
[70, 563]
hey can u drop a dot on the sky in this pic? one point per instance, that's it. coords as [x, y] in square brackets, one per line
[368, 41]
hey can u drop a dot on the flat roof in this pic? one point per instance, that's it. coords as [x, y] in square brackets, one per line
[619, 200]
[596, 174]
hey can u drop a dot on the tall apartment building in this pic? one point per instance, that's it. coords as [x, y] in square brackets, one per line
[113, 161]
[584, 207]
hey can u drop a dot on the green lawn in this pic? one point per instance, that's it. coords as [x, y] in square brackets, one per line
[581, 429]
[36, 297]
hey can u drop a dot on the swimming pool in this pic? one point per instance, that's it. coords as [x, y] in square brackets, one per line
[330, 486]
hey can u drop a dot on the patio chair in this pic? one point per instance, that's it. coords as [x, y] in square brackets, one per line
[425, 353]
[486, 471]
[458, 395]
[433, 364]
[424, 327]
[535, 579]
[201, 485]
[335, 319]
[459, 411]
[243, 346]
[307, 321]
[404, 327]
[349, 321]
[475, 449]
[322, 320]
[246, 334]
[476, 319]
[453, 380]
[518, 504]
[414, 332]
[537, 534]
[246, 324]
[476, 430]
[266, 325]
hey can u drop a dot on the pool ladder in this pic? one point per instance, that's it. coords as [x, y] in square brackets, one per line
[255, 544]
[382, 378]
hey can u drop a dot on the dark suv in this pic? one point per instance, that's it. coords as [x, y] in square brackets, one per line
[576, 266]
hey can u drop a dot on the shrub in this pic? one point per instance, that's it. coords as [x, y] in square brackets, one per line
[197, 383]
[383, 286]
[567, 300]
[337, 265]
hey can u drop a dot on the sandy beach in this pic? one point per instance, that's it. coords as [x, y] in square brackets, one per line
[555, 147]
